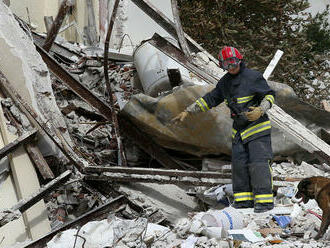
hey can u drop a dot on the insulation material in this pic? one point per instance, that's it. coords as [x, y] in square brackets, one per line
[115, 232]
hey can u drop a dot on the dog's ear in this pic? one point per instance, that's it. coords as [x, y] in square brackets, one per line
[303, 185]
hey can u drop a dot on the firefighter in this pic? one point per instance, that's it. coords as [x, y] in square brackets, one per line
[248, 97]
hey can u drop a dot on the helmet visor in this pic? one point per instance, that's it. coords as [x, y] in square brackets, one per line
[229, 63]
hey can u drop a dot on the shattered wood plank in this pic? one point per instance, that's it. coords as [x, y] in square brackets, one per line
[53, 133]
[101, 212]
[152, 171]
[123, 177]
[183, 173]
[299, 134]
[130, 130]
[121, 156]
[63, 10]
[168, 25]
[67, 54]
[39, 160]
[26, 203]
[293, 128]
[172, 51]
[182, 40]
[177, 180]
[32, 150]
[21, 140]
[123, 174]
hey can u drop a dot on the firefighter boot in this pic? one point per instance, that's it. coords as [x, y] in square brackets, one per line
[263, 207]
[243, 204]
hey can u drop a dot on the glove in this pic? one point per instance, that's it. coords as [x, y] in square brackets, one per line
[180, 117]
[255, 114]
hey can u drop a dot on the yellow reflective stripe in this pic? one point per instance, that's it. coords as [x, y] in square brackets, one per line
[255, 126]
[250, 198]
[244, 99]
[243, 193]
[248, 132]
[264, 196]
[270, 98]
[256, 131]
[205, 104]
[264, 201]
[243, 196]
[233, 132]
[200, 105]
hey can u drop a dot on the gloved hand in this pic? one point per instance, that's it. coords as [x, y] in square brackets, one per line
[180, 117]
[255, 114]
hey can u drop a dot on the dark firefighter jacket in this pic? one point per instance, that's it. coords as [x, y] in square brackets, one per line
[240, 91]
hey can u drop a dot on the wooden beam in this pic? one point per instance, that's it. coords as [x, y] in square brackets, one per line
[39, 161]
[299, 134]
[28, 202]
[21, 140]
[147, 7]
[121, 155]
[64, 8]
[182, 40]
[173, 52]
[292, 128]
[161, 176]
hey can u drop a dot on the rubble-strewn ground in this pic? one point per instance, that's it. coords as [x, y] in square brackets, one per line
[95, 141]
[162, 215]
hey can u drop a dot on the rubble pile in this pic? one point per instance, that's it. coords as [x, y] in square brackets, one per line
[94, 136]
[92, 201]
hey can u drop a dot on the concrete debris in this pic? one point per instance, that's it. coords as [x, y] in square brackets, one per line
[85, 98]
[116, 232]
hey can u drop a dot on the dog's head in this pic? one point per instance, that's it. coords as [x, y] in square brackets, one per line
[305, 190]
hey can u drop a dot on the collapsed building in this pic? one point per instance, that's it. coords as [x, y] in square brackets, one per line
[87, 138]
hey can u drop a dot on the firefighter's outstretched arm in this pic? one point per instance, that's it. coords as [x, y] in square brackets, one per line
[203, 104]
[194, 108]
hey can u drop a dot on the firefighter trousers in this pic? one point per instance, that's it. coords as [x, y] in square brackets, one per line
[251, 171]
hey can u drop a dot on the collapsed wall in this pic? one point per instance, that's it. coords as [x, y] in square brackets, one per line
[28, 74]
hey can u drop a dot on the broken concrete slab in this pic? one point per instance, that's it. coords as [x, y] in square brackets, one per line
[28, 74]
[170, 199]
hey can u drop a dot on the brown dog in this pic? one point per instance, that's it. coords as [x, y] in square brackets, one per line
[317, 188]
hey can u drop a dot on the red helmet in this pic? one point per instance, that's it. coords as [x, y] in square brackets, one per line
[229, 57]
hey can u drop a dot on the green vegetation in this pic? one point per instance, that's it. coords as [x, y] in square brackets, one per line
[258, 28]
[318, 32]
